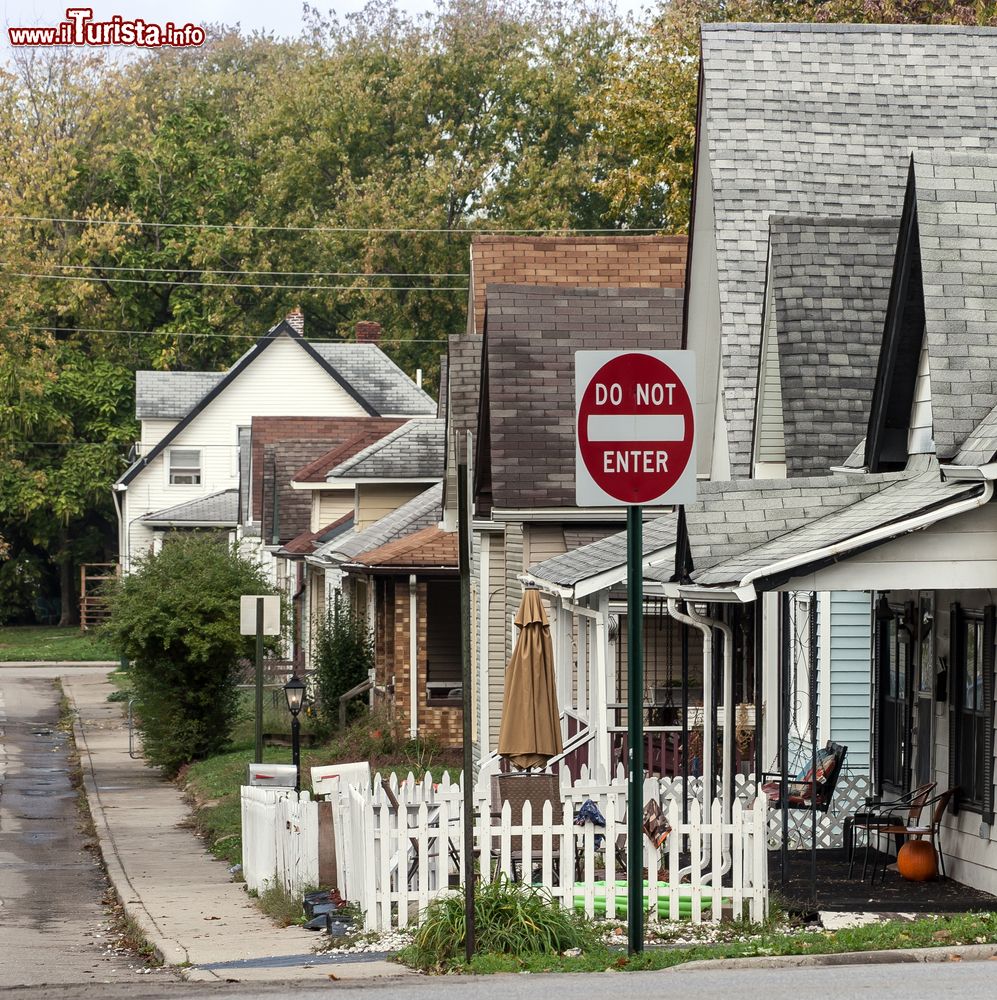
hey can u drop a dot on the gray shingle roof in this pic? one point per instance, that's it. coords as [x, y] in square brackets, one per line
[464, 373]
[171, 395]
[820, 120]
[891, 500]
[957, 224]
[831, 284]
[729, 518]
[981, 446]
[412, 451]
[531, 335]
[420, 512]
[607, 554]
[218, 508]
[376, 378]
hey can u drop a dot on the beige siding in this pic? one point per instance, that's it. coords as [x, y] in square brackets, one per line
[329, 506]
[920, 439]
[497, 635]
[542, 541]
[374, 500]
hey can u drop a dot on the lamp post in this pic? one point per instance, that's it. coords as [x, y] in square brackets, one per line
[294, 692]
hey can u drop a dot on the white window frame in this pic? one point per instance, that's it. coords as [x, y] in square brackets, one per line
[169, 466]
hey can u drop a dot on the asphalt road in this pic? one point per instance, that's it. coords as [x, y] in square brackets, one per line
[53, 926]
[882, 982]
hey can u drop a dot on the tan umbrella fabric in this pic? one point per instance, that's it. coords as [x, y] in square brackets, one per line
[530, 733]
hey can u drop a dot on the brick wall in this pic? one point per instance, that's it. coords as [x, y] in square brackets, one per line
[393, 624]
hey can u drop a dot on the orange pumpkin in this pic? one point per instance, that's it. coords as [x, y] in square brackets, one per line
[917, 861]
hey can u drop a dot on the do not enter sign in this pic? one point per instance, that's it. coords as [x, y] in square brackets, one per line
[635, 427]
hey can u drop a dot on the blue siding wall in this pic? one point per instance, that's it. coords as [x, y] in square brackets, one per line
[851, 675]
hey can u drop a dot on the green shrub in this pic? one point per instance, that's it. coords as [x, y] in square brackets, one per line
[176, 618]
[509, 919]
[343, 656]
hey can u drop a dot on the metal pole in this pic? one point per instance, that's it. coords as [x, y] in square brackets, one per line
[464, 560]
[685, 722]
[635, 730]
[784, 710]
[812, 664]
[259, 680]
[296, 752]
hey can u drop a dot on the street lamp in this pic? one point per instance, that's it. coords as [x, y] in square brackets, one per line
[294, 692]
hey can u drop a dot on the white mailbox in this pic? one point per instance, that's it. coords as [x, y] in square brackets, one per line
[272, 775]
[333, 778]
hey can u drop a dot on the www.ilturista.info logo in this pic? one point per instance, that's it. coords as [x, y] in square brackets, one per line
[80, 28]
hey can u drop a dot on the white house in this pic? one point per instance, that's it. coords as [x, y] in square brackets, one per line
[187, 472]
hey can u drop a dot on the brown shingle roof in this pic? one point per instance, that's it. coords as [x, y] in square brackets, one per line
[328, 432]
[600, 261]
[308, 541]
[315, 472]
[430, 548]
[526, 447]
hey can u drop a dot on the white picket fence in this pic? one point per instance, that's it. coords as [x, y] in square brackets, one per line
[279, 838]
[397, 860]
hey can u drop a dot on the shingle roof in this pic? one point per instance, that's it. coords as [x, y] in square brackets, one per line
[429, 548]
[171, 395]
[981, 446]
[217, 509]
[412, 451]
[376, 378]
[464, 372]
[729, 518]
[846, 516]
[820, 120]
[831, 284]
[420, 512]
[531, 337]
[957, 225]
[308, 541]
[608, 261]
[372, 431]
[442, 399]
[605, 555]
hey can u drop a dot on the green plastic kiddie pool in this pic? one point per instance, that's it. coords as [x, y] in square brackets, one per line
[664, 903]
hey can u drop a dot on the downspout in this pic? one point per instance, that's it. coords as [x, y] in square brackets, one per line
[728, 689]
[298, 604]
[680, 616]
[413, 654]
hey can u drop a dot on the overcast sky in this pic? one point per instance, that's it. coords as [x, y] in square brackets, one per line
[263, 15]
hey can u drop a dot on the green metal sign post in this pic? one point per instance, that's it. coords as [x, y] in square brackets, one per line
[635, 730]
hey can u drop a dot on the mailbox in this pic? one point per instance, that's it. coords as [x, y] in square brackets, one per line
[332, 778]
[272, 775]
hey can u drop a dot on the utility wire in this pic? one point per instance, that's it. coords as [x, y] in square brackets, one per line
[217, 270]
[143, 224]
[253, 285]
[221, 336]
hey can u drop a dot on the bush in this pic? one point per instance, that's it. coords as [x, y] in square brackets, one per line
[510, 918]
[343, 655]
[177, 620]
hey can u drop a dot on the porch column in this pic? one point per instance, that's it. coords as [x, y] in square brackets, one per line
[598, 712]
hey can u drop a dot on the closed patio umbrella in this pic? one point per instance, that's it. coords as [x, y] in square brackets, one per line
[530, 733]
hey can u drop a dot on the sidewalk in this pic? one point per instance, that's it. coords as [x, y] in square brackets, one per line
[182, 898]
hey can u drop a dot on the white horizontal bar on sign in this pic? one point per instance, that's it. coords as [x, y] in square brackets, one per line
[636, 427]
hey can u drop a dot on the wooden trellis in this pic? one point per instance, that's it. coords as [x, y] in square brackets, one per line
[93, 604]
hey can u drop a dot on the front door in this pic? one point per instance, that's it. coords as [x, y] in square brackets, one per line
[896, 659]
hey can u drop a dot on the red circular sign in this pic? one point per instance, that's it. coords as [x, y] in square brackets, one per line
[635, 428]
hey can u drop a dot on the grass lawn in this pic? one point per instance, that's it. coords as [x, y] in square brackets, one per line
[947, 931]
[44, 642]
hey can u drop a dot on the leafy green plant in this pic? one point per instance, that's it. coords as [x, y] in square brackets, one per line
[509, 919]
[281, 906]
[344, 657]
[177, 620]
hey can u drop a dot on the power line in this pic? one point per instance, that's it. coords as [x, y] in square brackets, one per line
[217, 270]
[230, 284]
[221, 336]
[143, 224]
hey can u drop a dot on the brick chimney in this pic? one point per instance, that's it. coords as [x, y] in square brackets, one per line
[296, 319]
[368, 332]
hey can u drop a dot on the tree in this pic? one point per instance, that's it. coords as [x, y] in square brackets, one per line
[344, 656]
[176, 618]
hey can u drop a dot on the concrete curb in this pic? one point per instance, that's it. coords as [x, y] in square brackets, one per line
[957, 953]
[169, 951]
